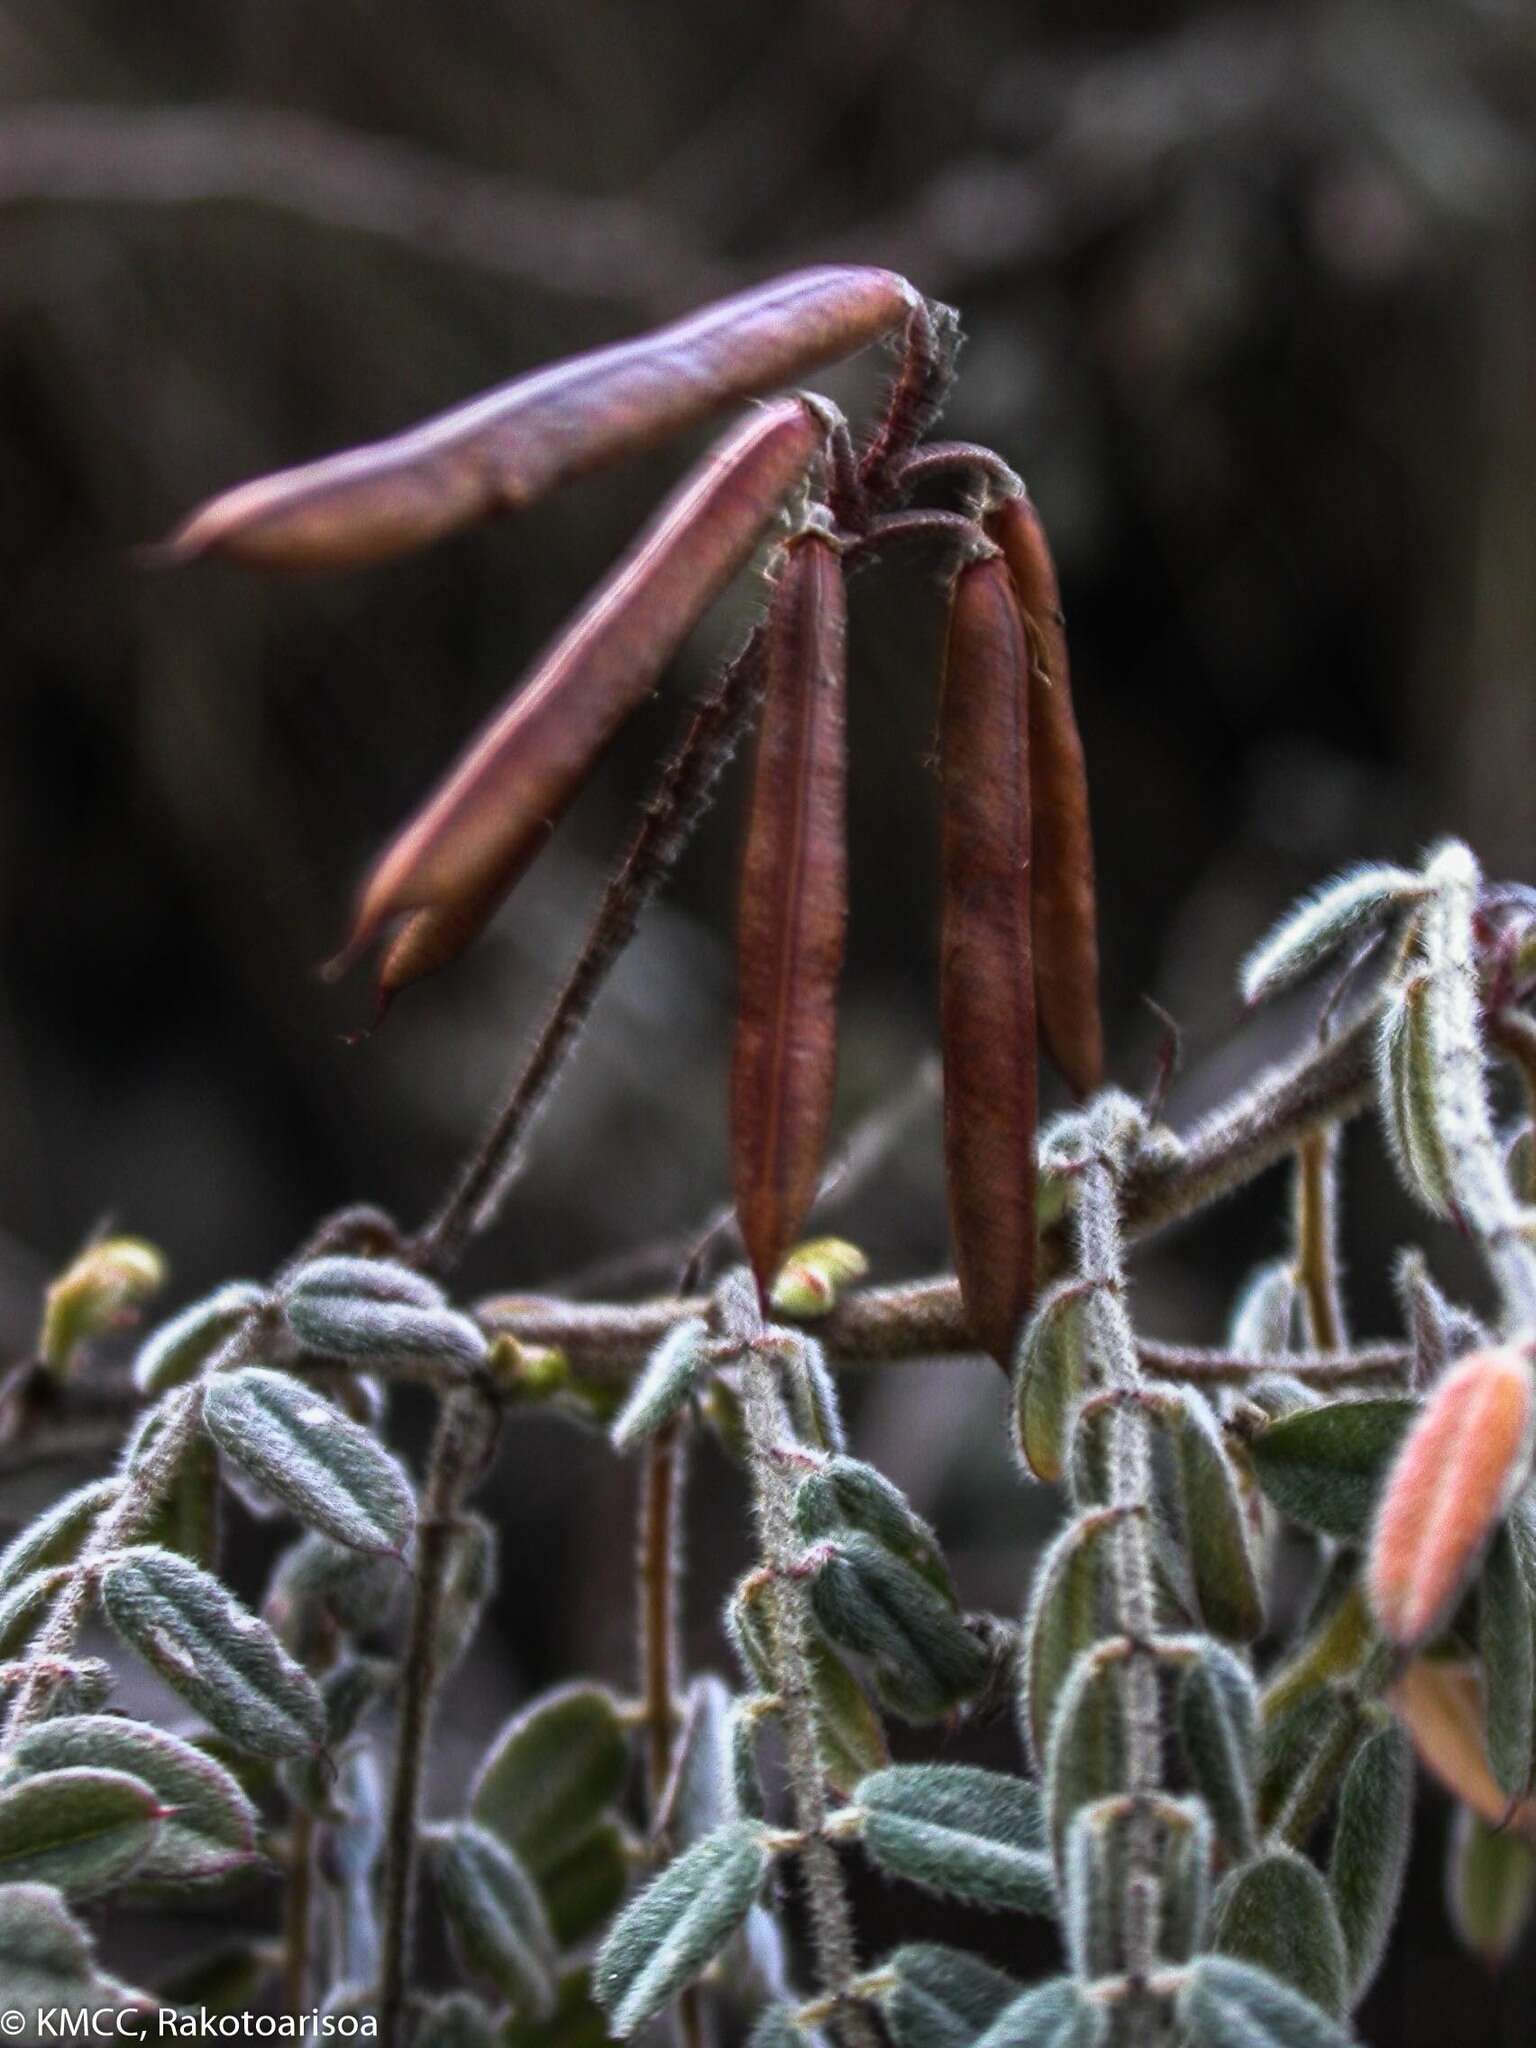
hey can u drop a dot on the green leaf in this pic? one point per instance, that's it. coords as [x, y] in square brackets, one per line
[1407, 1088]
[209, 1829]
[850, 1740]
[48, 1965]
[973, 1834]
[777, 2027]
[1176, 1845]
[1343, 912]
[941, 1997]
[179, 1349]
[24, 1605]
[576, 2021]
[55, 1536]
[926, 1661]
[552, 1773]
[666, 1384]
[215, 1653]
[699, 1795]
[1507, 1647]
[810, 1396]
[320, 1586]
[1086, 1755]
[382, 1329]
[83, 1830]
[347, 1278]
[846, 1494]
[1056, 2014]
[1304, 1751]
[1217, 1718]
[1325, 1466]
[669, 1934]
[186, 1517]
[1277, 1912]
[1200, 1505]
[1490, 1886]
[301, 1449]
[582, 1890]
[1369, 1857]
[469, 1580]
[1269, 1315]
[495, 1915]
[1225, 2004]
[1051, 1375]
[1069, 1610]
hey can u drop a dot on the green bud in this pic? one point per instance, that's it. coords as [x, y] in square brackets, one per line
[1369, 1857]
[495, 1915]
[215, 1653]
[552, 1773]
[300, 1448]
[98, 1293]
[1343, 912]
[972, 1834]
[1276, 1912]
[178, 1350]
[208, 1832]
[814, 1276]
[942, 1997]
[668, 1382]
[667, 1936]
[84, 1830]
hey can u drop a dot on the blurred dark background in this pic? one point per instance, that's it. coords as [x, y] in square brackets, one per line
[1250, 300]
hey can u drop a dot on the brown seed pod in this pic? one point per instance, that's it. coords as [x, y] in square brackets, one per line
[1066, 924]
[459, 855]
[793, 910]
[987, 1003]
[501, 451]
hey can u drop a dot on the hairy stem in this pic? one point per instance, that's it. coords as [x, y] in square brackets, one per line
[298, 1913]
[667, 824]
[831, 1920]
[1317, 1256]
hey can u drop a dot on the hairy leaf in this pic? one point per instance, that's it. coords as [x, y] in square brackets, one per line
[973, 1834]
[664, 1938]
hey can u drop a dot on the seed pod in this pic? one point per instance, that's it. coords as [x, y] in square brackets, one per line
[971, 1834]
[1227, 2004]
[1369, 1857]
[937, 1997]
[214, 1652]
[501, 451]
[301, 1448]
[667, 1936]
[208, 1830]
[1276, 1911]
[553, 1773]
[987, 1020]
[1490, 1886]
[464, 849]
[1340, 914]
[1453, 1478]
[495, 1916]
[1065, 915]
[668, 1381]
[84, 1830]
[179, 1349]
[792, 910]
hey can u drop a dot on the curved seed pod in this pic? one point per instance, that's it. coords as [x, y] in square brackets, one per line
[937, 1997]
[669, 1934]
[214, 1652]
[81, 1829]
[208, 1830]
[792, 910]
[1369, 1857]
[1490, 1885]
[1452, 1480]
[1065, 914]
[299, 1447]
[971, 1834]
[468, 844]
[500, 452]
[987, 1008]
[1276, 1911]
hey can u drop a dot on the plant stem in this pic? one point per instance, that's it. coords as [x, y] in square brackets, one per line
[298, 1911]
[455, 1459]
[831, 1920]
[660, 1509]
[681, 798]
[1317, 1260]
